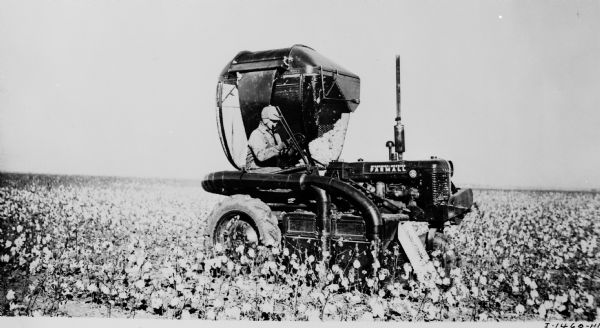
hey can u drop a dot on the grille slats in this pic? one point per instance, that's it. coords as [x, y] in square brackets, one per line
[440, 188]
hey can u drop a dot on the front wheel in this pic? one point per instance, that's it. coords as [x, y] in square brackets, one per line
[241, 219]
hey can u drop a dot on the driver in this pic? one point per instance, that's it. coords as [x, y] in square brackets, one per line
[265, 145]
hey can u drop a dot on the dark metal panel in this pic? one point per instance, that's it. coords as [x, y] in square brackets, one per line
[259, 65]
[307, 58]
[261, 56]
[460, 203]
[255, 89]
[349, 227]
[300, 224]
[350, 89]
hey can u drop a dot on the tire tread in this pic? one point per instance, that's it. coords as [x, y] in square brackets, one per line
[257, 210]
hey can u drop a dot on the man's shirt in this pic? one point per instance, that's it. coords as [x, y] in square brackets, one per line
[262, 150]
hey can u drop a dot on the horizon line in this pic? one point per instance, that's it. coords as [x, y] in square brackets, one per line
[463, 186]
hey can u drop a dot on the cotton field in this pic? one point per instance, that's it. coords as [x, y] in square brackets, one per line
[135, 248]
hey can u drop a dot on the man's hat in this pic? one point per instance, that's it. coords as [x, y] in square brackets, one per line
[271, 113]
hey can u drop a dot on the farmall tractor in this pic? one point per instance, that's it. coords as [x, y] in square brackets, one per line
[312, 202]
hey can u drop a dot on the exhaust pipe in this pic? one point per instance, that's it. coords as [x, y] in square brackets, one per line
[398, 128]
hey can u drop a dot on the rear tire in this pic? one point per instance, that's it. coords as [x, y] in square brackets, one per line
[242, 219]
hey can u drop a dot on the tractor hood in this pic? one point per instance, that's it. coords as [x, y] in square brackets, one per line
[314, 94]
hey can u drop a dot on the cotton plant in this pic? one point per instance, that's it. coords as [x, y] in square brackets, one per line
[138, 247]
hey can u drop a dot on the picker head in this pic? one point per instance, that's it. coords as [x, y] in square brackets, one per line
[313, 95]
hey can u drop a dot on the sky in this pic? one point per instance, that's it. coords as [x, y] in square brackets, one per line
[507, 90]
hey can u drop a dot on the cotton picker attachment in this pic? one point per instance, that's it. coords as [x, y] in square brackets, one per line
[311, 201]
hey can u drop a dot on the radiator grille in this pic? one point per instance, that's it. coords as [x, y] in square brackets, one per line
[440, 188]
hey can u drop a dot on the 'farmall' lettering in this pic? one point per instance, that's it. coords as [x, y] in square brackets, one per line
[388, 168]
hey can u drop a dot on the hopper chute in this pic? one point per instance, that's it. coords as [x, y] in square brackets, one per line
[314, 94]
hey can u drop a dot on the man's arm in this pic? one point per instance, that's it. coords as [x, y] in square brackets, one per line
[260, 147]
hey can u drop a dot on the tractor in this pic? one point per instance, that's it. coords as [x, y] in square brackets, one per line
[311, 202]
